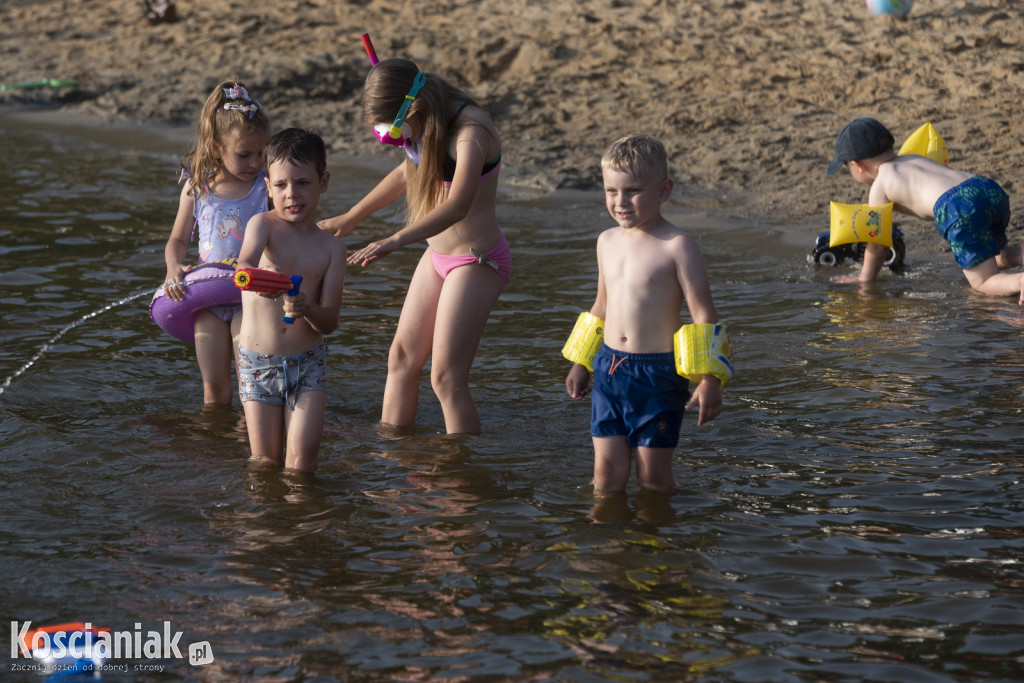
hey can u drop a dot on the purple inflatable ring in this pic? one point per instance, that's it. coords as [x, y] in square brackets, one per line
[208, 284]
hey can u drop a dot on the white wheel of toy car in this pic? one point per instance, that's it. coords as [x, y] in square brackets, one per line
[896, 253]
[827, 258]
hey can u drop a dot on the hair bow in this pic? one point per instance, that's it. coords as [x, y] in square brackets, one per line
[237, 92]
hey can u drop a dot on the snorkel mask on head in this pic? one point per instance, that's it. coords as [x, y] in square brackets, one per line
[398, 133]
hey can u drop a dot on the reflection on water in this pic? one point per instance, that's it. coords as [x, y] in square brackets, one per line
[855, 514]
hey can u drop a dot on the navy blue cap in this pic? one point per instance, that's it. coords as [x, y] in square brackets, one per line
[862, 138]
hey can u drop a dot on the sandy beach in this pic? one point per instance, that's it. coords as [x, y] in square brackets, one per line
[747, 95]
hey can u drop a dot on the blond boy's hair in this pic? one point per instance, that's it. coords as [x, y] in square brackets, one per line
[637, 154]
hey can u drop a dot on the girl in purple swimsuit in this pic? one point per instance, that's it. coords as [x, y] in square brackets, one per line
[450, 179]
[225, 185]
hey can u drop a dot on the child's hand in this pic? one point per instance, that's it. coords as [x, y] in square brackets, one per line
[577, 382]
[846, 279]
[339, 226]
[708, 395]
[373, 251]
[174, 283]
[296, 306]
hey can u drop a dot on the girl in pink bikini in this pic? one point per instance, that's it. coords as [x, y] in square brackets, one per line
[450, 179]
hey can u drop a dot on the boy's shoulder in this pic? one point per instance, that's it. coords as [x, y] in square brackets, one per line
[666, 235]
[329, 244]
[263, 220]
[326, 239]
[663, 229]
[911, 163]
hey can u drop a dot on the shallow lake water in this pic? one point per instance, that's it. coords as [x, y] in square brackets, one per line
[855, 514]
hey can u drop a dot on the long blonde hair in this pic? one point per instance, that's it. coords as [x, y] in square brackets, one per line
[216, 122]
[386, 86]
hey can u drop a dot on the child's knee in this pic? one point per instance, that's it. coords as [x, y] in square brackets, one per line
[403, 357]
[399, 360]
[654, 471]
[455, 395]
[611, 474]
[1010, 256]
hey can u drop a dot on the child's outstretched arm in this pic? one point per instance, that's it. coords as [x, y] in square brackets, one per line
[693, 279]
[874, 259]
[388, 190]
[177, 246]
[469, 162]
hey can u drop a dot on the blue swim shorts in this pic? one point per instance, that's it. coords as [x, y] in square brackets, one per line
[972, 217]
[279, 379]
[639, 396]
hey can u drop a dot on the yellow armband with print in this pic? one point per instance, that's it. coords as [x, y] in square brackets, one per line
[860, 223]
[703, 349]
[585, 340]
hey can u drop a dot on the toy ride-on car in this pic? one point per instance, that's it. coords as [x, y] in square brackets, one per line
[824, 255]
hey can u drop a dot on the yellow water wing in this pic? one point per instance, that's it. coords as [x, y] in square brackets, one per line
[927, 142]
[860, 223]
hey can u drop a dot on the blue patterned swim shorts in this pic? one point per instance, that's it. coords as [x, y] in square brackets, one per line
[972, 217]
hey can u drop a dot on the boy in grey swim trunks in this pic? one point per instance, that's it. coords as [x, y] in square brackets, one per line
[971, 212]
[647, 269]
[282, 367]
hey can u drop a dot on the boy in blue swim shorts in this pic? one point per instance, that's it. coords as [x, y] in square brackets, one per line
[282, 366]
[971, 212]
[639, 396]
[647, 270]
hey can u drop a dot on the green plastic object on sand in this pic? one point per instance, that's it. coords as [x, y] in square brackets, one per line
[32, 85]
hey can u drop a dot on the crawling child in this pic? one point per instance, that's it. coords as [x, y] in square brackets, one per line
[971, 212]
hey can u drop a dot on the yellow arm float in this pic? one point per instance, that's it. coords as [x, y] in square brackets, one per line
[860, 223]
[703, 349]
[927, 142]
[585, 340]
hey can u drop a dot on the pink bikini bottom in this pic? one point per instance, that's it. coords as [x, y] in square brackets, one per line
[499, 258]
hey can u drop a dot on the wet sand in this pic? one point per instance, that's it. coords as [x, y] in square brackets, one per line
[747, 96]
